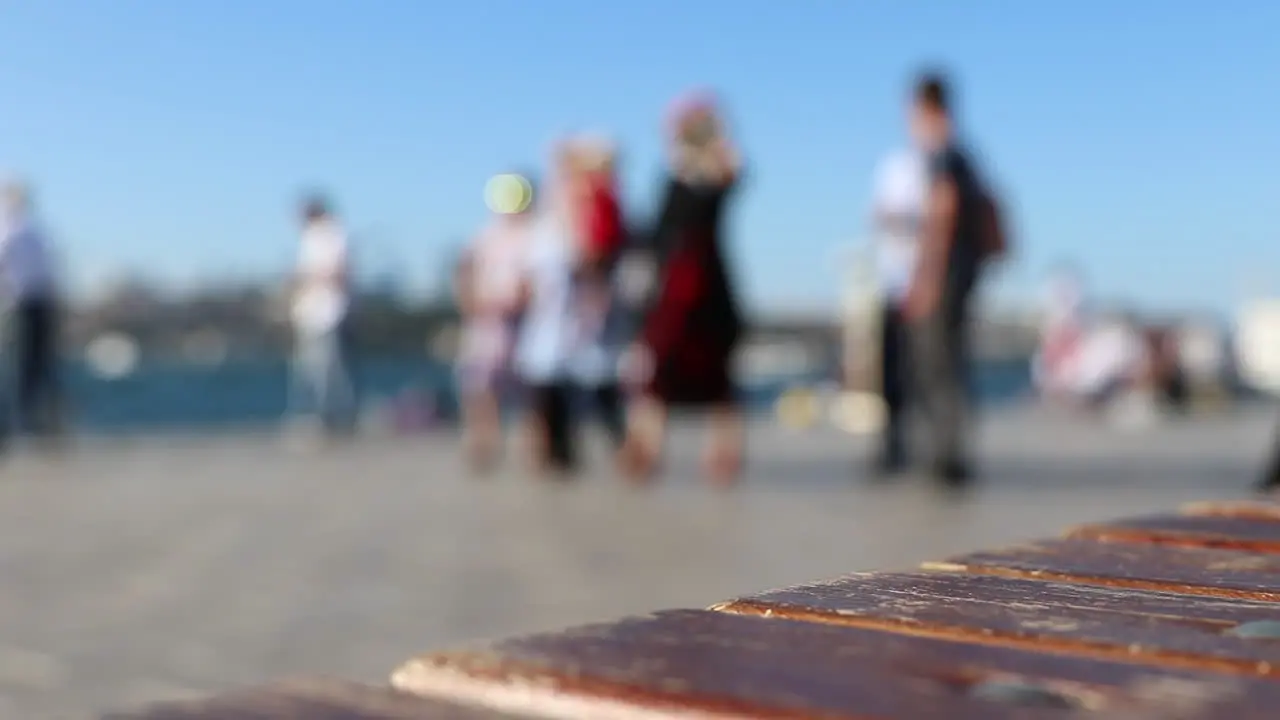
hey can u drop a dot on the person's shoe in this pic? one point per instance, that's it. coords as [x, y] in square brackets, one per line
[722, 467]
[1269, 483]
[953, 474]
[481, 463]
[560, 471]
[637, 464]
[889, 465]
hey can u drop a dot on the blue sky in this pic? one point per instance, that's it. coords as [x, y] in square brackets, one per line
[172, 137]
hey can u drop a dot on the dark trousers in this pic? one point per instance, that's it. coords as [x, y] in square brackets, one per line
[34, 345]
[895, 381]
[557, 405]
[1270, 479]
[940, 356]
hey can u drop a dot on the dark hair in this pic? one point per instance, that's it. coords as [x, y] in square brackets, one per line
[315, 207]
[701, 130]
[933, 92]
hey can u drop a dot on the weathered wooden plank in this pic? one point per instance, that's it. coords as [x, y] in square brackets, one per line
[1233, 533]
[685, 664]
[1197, 571]
[1261, 509]
[1140, 626]
[315, 700]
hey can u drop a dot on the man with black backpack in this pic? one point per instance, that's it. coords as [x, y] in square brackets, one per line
[962, 232]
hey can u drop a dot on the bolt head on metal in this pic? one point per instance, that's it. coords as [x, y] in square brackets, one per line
[1256, 630]
[1019, 693]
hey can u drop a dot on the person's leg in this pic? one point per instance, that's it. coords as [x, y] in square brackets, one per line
[894, 370]
[722, 462]
[344, 396]
[611, 409]
[50, 386]
[646, 432]
[534, 424]
[26, 339]
[306, 380]
[564, 428]
[329, 387]
[725, 446]
[953, 399]
[1270, 480]
[481, 422]
[553, 407]
[10, 336]
[940, 382]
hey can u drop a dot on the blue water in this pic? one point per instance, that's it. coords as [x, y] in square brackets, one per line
[256, 393]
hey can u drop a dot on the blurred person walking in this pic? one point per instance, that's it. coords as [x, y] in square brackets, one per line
[591, 167]
[322, 383]
[1063, 335]
[963, 230]
[564, 352]
[29, 276]
[684, 354]
[897, 215]
[489, 288]
[601, 229]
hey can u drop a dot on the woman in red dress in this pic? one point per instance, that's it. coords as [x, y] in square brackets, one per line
[686, 346]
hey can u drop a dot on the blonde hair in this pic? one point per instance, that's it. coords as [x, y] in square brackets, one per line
[597, 153]
[16, 194]
[700, 151]
[587, 154]
[708, 163]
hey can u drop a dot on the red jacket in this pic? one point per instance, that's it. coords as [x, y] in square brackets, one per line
[604, 231]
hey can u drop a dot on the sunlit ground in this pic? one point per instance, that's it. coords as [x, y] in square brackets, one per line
[158, 569]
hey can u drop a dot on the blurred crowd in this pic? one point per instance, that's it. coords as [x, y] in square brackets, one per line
[547, 314]
[553, 319]
[575, 308]
[1097, 360]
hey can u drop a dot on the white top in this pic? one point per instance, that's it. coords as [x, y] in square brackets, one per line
[1108, 354]
[561, 335]
[1202, 352]
[901, 188]
[26, 259]
[319, 306]
[1257, 344]
[497, 271]
[547, 333]
[1064, 303]
[498, 258]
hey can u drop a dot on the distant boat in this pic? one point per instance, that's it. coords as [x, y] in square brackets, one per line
[112, 355]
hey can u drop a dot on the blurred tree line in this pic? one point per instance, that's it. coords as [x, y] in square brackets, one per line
[250, 318]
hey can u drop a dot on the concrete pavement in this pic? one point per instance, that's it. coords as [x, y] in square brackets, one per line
[156, 569]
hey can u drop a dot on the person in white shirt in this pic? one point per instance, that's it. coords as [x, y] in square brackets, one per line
[320, 308]
[1085, 360]
[28, 277]
[489, 288]
[1111, 361]
[897, 212]
[1064, 334]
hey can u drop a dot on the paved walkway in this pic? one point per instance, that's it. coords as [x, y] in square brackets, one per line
[159, 569]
